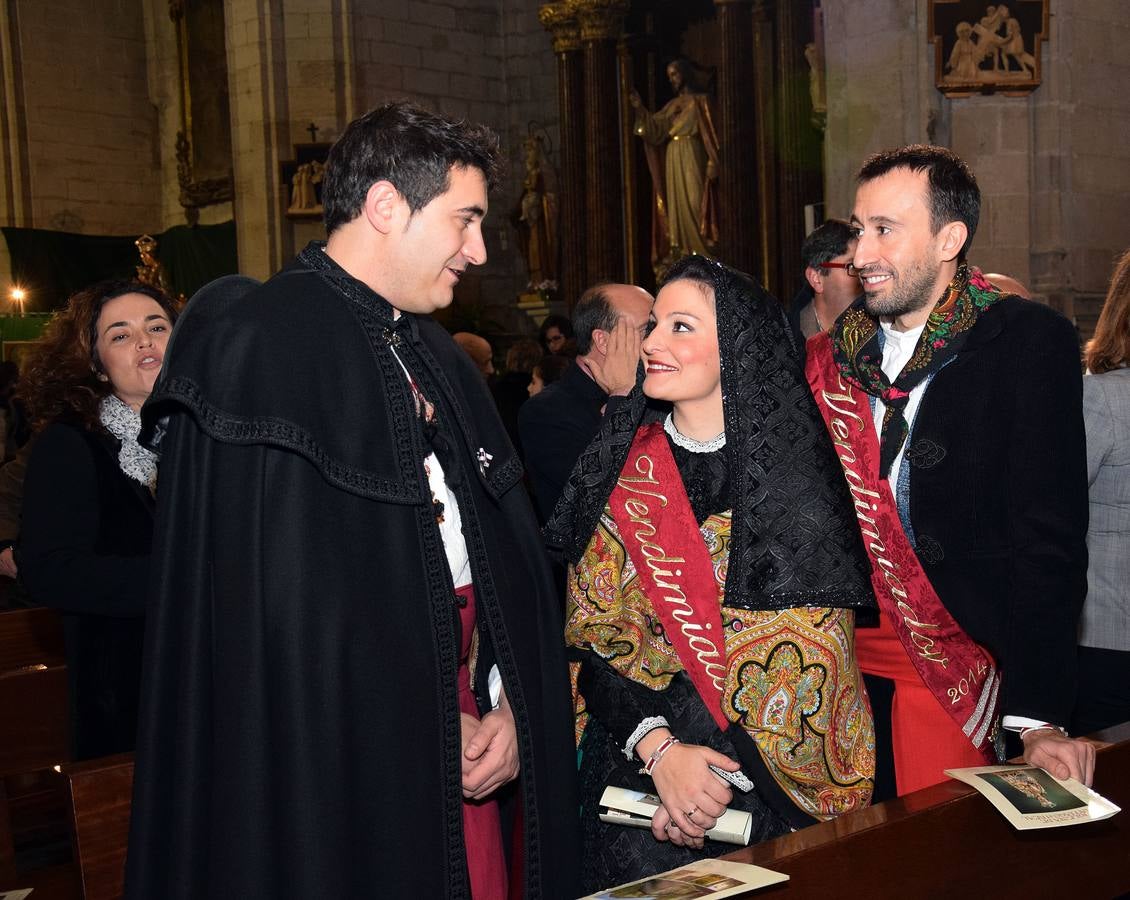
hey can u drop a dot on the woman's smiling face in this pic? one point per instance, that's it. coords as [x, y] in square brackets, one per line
[680, 354]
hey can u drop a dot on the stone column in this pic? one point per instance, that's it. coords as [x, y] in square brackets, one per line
[793, 107]
[601, 23]
[766, 242]
[15, 168]
[562, 24]
[737, 179]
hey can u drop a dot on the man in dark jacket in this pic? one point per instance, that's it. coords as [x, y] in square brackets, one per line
[353, 644]
[558, 423]
[956, 411]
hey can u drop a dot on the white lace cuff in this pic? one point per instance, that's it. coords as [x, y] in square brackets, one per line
[647, 725]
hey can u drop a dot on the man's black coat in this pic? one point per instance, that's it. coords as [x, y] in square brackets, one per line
[556, 425]
[300, 733]
[998, 499]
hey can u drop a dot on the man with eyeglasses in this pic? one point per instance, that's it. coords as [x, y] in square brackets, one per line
[832, 281]
[956, 412]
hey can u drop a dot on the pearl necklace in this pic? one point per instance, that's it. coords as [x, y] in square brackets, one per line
[715, 443]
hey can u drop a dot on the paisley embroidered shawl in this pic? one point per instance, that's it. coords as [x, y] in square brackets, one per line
[791, 678]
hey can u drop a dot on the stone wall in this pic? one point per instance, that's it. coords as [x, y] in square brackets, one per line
[326, 61]
[81, 133]
[90, 115]
[1054, 166]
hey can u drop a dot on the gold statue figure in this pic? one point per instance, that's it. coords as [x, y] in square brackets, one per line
[682, 156]
[536, 217]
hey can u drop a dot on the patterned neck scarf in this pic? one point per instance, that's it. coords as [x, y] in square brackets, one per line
[124, 423]
[859, 355]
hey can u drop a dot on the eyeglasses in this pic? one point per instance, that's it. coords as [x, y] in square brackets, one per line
[850, 268]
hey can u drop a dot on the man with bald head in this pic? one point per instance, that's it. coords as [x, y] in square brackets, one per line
[479, 349]
[557, 424]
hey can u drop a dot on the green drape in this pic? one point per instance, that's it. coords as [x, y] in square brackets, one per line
[52, 265]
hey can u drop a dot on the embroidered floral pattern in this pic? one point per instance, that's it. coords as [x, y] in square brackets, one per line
[790, 677]
[855, 346]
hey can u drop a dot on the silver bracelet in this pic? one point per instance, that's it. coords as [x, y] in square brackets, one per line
[647, 725]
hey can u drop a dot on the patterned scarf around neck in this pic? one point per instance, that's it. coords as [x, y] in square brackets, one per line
[124, 423]
[859, 355]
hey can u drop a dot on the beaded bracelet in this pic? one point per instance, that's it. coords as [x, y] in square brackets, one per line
[667, 744]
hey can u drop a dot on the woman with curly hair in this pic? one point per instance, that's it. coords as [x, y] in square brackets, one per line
[88, 498]
[1104, 636]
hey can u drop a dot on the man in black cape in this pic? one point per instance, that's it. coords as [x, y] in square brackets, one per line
[301, 732]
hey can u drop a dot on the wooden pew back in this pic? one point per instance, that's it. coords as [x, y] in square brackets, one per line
[100, 795]
[34, 728]
[948, 841]
[34, 718]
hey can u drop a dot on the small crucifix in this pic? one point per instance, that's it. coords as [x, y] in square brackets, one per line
[313, 129]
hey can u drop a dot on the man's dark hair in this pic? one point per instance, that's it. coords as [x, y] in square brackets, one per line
[409, 147]
[827, 241]
[953, 194]
[593, 311]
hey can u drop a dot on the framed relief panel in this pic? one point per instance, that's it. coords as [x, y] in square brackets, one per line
[984, 48]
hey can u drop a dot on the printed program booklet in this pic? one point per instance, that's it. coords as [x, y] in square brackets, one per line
[1031, 798]
[712, 878]
[621, 806]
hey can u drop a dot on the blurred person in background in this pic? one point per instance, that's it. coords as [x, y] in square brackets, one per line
[510, 389]
[548, 370]
[556, 335]
[1104, 637]
[88, 496]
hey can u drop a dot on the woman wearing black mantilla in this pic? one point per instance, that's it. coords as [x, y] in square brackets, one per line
[720, 511]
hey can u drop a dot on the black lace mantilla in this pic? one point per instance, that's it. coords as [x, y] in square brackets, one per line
[794, 540]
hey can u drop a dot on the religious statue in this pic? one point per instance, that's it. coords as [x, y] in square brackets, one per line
[817, 91]
[1013, 48]
[978, 46]
[536, 218]
[304, 184]
[151, 272]
[682, 156]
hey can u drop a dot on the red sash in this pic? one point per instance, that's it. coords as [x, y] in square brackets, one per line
[960, 673]
[650, 507]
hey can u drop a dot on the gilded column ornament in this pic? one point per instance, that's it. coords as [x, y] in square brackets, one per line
[559, 20]
[601, 22]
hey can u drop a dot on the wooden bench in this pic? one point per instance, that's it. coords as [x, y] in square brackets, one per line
[948, 841]
[945, 841]
[100, 794]
[34, 724]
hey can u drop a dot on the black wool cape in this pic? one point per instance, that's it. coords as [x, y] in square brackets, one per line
[300, 733]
